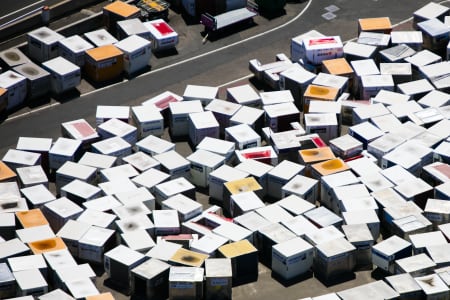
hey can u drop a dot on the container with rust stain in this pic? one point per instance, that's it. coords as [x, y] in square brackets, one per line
[47, 245]
[240, 186]
[65, 75]
[317, 92]
[31, 218]
[328, 167]
[188, 258]
[118, 11]
[104, 63]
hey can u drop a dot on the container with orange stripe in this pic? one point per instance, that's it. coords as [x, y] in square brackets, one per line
[314, 155]
[380, 25]
[104, 63]
[31, 218]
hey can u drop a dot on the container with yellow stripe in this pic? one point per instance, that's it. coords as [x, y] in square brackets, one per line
[31, 218]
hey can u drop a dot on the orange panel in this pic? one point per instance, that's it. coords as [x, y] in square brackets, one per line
[31, 218]
[6, 173]
[47, 245]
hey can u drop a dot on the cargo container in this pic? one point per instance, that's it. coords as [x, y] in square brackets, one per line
[104, 63]
[162, 35]
[30, 282]
[244, 95]
[38, 79]
[42, 44]
[137, 53]
[13, 57]
[100, 37]
[15, 87]
[150, 279]
[134, 26]
[186, 282]
[323, 48]
[118, 11]
[65, 75]
[73, 49]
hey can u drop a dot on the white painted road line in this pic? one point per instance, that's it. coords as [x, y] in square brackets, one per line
[19, 10]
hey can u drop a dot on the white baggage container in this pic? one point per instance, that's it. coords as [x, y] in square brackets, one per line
[186, 207]
[97, 218]
[420, 241]
[83, 288]
[154, 145]
[148, 120]
[118, 172]
[258, 68]
[430, 11]
[141, 161]
[223, 111]
[7, 282]
[295, 205]
[33, 175]
[16, 88]
[296, 79]
[150, 178]
[376, 182]
[172, 187]
[203, 124]
[329, 182]
[100, 37]
[130, 210]
[244, 202]
[217, 146]
[433, 286]
[386, 252]
[292, 258]
[70, 171]
[162, 101]
[140, 194]
[106, 112]
[405, 285]
[270, 236]
[413, 224]
[202, 163]
[279, 116]
[365, 132]
[439, 254]
[113, 146]
[173, 164]
[302, 186]
[435, 98]
[30, 282]
[74, 273]
[117, 128]
[435, 34]
[416, 265]
[65, 75]
[253, 222]
[98, 161]
[274, 213]
[333, 259]
[330, 80]
[19, 159]
[402, 110]
[258, 169]
[218, 278]
[59, 211]
[346, 146]
[186, 282]
[356, 51]
[412, 38]
[387, 197]
[205, 94]
[71, 232]
[208, 244]
[136, 53]
[380, 40]
[38, 79]
[396, 54]
[323, 217]
[133, 26]
[362, 67]
[166, 222]
[422, 58]
[233, 232]
[278, 176]
[12, 248]
[303, 228]
[38, 145]
[435, 173]
[365, 113]
[42, 44]
[179, 116]
[360, 236]
[118, 263]
[72, 48]
[37, 195]
[389, 98]
[13, 204]
[162, 35]
[150, 279]
[386, 122]
[416, 89]
[323, 48]
[244, 95]
[263, 154]
[415, 190]
[366, 216]
[372, 84]
[400, 72]
[324, 124]
[243, 136]
[276, 97]
[136, 223]
[287, 143]
[13, 57]
[376, 289]
[94, 243]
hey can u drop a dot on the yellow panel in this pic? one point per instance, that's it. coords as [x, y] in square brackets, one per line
[318, 92]
[243, 185]
[237, 248]
[316, 155]
[104, 52]
[6, 173]
[31, 218]
[337, 66]
[122, 9]
[103, 296]
[330, 166]
[375, 25]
